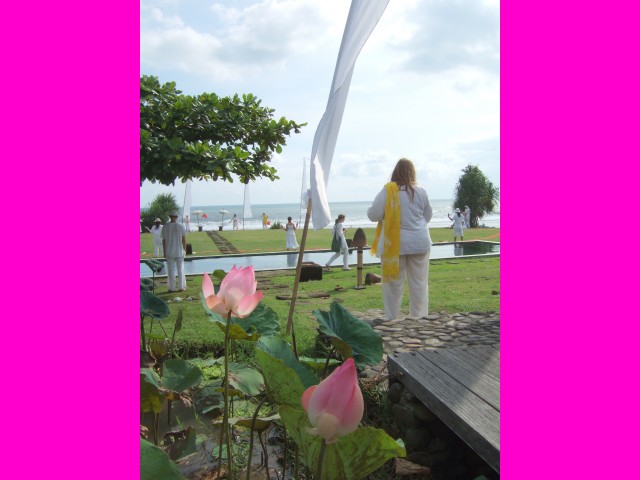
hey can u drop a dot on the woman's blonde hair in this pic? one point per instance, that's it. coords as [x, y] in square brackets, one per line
[404, 174]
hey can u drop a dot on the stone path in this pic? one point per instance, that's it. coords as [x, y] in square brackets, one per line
[437, 330]
[222, 243]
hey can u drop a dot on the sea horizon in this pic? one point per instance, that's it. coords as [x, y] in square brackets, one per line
[355, 212]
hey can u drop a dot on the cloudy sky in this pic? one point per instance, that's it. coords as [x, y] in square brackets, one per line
[426, 86]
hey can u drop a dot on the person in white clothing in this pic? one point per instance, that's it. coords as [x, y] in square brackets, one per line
[458, 225]
[290, 228]
[174, 241]
[156, 231]
[467, 216]
[415, 243]
[236, 221]
[338, 232]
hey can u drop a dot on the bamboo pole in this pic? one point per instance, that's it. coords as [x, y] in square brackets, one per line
[294, 294]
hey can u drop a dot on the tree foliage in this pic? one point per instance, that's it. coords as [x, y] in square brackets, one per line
[159, 207]
[206, 136]
[476, 191]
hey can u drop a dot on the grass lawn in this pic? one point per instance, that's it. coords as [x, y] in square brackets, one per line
[259, 241]
[455, 285]
[200, 242]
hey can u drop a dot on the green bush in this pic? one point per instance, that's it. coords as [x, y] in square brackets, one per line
[158, 208]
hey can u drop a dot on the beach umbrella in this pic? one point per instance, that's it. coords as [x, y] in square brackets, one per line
[223, 213]
[197, 213]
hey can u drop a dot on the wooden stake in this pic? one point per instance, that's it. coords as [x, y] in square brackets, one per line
[359, 286]
[294, 294]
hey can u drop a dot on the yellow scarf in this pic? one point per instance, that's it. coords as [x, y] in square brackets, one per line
[391, 252]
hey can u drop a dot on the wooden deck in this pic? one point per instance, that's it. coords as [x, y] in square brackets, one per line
[460, 385]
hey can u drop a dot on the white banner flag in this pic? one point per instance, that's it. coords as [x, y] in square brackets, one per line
[247, 203]
[362, 19]
[304, 194]
[186, 207]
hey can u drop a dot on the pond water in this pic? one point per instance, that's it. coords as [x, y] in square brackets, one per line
[285, 260]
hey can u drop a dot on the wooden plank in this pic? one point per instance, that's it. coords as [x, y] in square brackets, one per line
[487, 366]
[475, 421]
[469, 372]
[482, 354]
[486, 349]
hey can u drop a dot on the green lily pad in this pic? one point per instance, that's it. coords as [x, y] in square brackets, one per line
[151, 397]
[247, 380]
[146, 284]
[350, 336]
[262, 423]
[206, 362]
[151, 376]
[318, 364]
[155, 464]
[280, 349]
[156, 266]
[219, 275]
[158, 348]
[153, 306]
[281, 382]
[263, 321]
[352, 457]
[179, 375]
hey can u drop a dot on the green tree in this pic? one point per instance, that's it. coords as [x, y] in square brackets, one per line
[159, 207]
[206, 136]
[476, 191]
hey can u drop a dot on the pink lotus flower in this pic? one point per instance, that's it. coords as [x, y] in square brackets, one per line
[335, 406]
[237, 293]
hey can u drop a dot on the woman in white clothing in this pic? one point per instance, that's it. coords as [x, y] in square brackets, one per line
[156, 230]
[404, 253]
[236, 221]
[290, 228]
[458, 225]
[338, 232]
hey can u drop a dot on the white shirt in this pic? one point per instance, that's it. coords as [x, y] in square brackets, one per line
[414, 217]
[157, 233]
[172, 234]
[458, 221]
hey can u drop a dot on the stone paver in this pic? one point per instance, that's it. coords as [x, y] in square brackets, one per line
[435, 331]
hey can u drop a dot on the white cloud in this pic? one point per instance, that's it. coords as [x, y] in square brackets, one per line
[450, 34]
[257, 37]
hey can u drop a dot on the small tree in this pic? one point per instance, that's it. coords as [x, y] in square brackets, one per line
[158, 208]
[206, 137]
[476, 191]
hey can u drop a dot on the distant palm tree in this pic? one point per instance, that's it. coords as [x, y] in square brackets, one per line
[476, 191]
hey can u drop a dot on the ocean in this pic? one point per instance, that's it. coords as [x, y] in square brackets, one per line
[355, 212]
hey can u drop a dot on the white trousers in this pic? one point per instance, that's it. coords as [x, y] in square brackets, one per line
[416, 268]
[345, 259]
[174, 263]
[157, 247]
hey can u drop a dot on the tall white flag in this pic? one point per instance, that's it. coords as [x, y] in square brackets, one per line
[247, 203]
[186, 206]
[363, 17]
[304, 192]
